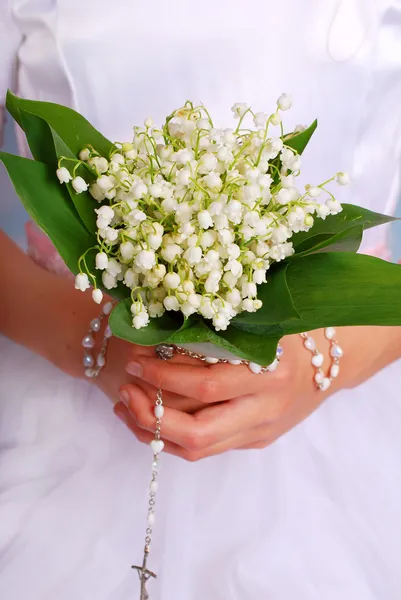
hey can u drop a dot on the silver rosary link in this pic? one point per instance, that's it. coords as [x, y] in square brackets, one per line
[157, 446]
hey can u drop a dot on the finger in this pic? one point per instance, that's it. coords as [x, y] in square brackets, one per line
[145, 437]
[205, 428]
[150, 352]
[208, 384]
[182, 403]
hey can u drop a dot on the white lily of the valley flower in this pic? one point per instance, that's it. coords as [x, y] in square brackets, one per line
[141, 319]
[239, 109]
[79, 184]
[260, 119]
[205, 219]
[63, 175]
[109, 280]
[127, 250]
[82, 282]
[284, 102]
[99, 163]
[101, 261]
[84, 154]
[343, 178]
[145, 259]
[171, 303]
[171, 281]
[96, 192]
[275, 119]
[196, 228]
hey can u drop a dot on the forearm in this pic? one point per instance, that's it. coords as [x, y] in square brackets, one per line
[42, 311]
[367, 351]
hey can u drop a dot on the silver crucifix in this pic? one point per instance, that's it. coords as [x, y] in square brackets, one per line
[144, 575]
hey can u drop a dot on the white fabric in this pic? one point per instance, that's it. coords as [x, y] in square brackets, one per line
[315, 516]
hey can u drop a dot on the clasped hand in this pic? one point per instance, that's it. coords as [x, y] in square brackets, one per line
[210, 409]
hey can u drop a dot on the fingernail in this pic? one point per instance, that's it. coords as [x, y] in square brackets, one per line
[134, 369]
[121, 415]
[125, 397]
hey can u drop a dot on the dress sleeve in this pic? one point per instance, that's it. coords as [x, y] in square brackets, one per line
[11, 39]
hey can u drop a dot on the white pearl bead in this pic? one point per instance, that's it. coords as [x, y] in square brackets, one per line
[317, 360]
[153, 486]
[234, 362]
[319, 377]
[151, 518]
[329, 333]
[159, 411]
[310, 344]
[107, 332]
[255, 368]
[107, 308]
[273, 365]
[88, 360]
[155, 465]
[334, 371]
[336, 351]
[95, 324]
[89, 373]
[325, 384]
[88, 341]
[211, 360]
[157, 446]
[100, 361]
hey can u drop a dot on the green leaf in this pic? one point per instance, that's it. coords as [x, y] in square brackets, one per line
[344, 289]
[350, 216]
[167, 329]
[39, 139]
[299, 141]
[75, 131]
[277, 303]
[84, 203]
[49, 205]
[348, 240]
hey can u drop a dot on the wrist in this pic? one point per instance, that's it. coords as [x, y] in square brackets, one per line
[68, 313]
[367, 350]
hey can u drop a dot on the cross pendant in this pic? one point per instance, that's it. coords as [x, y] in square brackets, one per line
[144, 575]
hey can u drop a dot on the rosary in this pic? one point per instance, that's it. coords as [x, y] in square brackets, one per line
[322, 379]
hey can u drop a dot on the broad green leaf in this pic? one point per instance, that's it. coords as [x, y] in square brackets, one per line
[344, 289]
[84, 203]
[50, 206]
[348, 240]
[277, 303]
[47, 146]
[350, 216]
[75, 131]
[299, 141]
[39, 139]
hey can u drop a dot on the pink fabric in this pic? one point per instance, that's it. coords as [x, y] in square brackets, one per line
[43, 252]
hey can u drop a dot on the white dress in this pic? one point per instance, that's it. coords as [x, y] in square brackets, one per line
[316, 516]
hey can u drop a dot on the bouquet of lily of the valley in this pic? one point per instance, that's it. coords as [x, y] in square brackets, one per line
[202, 233]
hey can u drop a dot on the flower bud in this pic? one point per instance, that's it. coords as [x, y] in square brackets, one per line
[97, 295]
[171, 281]
[84, 154]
